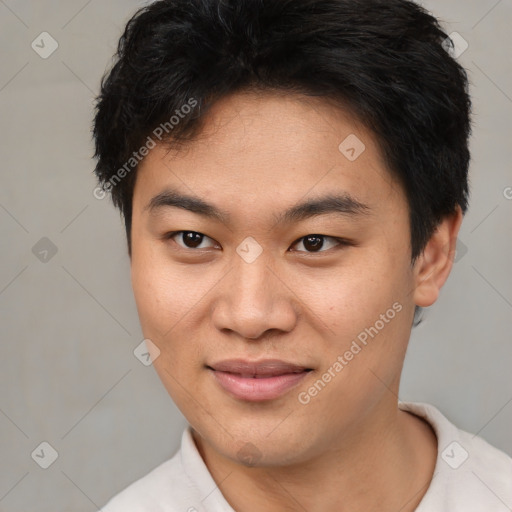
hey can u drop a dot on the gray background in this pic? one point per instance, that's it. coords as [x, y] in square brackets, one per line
[69, 325]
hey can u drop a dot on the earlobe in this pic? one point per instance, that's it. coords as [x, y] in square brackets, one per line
[433, 266]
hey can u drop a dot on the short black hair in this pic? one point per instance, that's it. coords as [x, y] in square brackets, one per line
[385, 61]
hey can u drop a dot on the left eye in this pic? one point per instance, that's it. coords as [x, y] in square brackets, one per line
[315, 243]
[190, 239]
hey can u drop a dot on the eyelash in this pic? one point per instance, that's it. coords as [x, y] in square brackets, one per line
[341, 241]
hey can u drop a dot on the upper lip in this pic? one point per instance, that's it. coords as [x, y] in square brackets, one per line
[267, 367]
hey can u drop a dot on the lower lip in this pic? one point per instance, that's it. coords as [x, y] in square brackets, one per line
[254, 390]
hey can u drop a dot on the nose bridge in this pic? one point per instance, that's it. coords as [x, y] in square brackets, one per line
[252, 285]
[253, 300]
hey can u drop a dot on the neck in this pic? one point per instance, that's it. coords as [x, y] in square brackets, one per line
[385, 464]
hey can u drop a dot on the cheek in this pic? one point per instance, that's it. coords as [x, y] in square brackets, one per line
[365, 313]
[363, 347]
[163, 292]
[171, 301]
[165, 297]
[349, 297]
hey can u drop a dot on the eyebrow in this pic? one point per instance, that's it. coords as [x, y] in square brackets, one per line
[340, 204]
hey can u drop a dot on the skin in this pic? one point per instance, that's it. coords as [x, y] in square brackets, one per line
[350, 447]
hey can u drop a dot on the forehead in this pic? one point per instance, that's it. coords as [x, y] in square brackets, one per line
[258, 151]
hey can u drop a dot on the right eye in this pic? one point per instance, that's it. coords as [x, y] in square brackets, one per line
[189, 239]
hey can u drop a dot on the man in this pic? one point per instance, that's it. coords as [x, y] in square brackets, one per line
[293, 176]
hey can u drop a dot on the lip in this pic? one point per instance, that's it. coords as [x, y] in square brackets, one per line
[257, 380]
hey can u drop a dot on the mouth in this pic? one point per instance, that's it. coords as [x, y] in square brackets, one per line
[257, 381]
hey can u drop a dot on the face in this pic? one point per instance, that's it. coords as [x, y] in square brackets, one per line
[289, 247]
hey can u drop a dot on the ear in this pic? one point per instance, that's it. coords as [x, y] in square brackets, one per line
[433, 266]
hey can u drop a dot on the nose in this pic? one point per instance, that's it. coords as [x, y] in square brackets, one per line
[254, 301]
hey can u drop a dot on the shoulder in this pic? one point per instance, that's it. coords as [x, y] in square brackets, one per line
[489, 468]
[470, 474]
[167, 488]
[163, 485]
[180, 484]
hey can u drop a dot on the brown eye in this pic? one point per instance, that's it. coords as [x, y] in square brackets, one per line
[313, 242]
[317, 243]
[189, 239]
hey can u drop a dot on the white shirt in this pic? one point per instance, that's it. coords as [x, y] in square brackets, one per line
[470, 476]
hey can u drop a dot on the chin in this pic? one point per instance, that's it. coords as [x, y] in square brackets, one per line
[267, 444]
